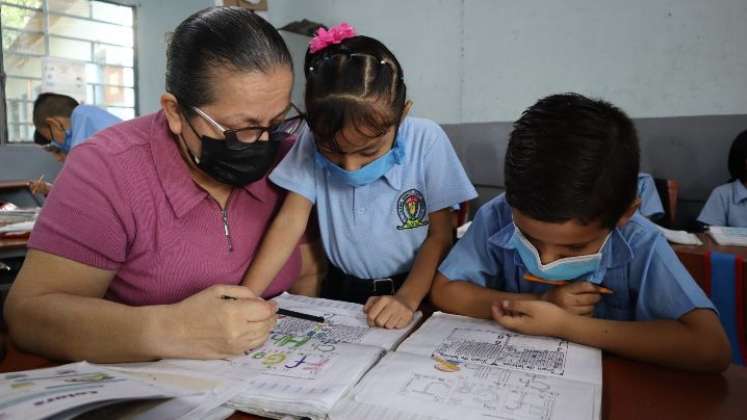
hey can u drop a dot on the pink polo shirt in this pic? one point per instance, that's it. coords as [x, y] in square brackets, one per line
[125, 202]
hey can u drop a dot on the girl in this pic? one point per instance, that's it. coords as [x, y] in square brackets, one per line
[727, 205]
[383, 183]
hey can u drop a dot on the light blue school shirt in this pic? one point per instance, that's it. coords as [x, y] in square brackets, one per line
[650, 202]
[647, 278]
[87, 120]
[375, 230]
[727, 206]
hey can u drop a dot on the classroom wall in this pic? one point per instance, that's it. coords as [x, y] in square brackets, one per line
[676, 66]
[486, 60]
[669, 63]
[155, 19]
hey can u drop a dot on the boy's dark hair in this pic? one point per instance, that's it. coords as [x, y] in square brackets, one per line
[571, 157]
[356, 83]
[738, 157]
[49, 105]
[219, 37]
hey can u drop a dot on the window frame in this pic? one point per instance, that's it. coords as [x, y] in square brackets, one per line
[4, 111]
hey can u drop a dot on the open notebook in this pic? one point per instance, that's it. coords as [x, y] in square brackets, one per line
[305, 367]
[455, 367]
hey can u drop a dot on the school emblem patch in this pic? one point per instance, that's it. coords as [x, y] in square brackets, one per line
[411, 210]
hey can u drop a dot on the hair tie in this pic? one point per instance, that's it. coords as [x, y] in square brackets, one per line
[335, 35]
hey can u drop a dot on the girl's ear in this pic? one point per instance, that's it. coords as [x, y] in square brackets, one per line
[408, 106]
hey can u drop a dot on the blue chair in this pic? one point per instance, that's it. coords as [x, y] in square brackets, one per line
[725, 273]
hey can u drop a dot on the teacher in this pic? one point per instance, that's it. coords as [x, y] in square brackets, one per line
[154, 221]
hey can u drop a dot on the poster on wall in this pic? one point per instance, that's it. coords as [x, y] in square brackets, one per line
[64, 77]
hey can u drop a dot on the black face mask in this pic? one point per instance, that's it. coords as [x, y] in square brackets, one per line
[237, 166]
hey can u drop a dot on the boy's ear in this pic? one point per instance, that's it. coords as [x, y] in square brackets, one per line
[629, 212]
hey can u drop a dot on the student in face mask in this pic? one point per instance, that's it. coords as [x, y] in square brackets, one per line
[569, 215]
[63, 123]
[383, 183]
[155, 220]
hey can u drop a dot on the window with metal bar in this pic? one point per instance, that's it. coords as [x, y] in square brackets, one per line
[97, 36]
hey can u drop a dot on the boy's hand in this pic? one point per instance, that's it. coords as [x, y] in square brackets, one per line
[577, 298]
[40, 187]
[533, 317]
[387, 312]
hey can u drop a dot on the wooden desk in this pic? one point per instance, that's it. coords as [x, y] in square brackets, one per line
[15, 246]
[631, 390]
[18, 242]
[14, 184]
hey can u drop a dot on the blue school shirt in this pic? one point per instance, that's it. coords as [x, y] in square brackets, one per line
[650, 202]
[87, 120]
[727, 206]
[647, 278]
[375, 230]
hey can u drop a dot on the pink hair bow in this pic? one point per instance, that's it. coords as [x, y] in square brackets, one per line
[336, 34]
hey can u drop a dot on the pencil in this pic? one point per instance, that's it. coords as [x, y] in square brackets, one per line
[535, 279]
[300, 315]
[34, 185]
[287, 312]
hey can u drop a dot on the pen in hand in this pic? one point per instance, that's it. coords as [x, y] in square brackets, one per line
[288, 312]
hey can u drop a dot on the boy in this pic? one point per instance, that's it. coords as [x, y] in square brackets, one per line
[60, 120]
[61, 123]
[569, 213]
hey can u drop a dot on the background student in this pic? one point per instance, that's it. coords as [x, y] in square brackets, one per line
[727, 204]
[61, 123]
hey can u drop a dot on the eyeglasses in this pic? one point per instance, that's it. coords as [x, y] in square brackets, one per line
[240, 137]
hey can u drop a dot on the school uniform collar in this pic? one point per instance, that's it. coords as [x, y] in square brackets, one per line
[740, 192]
[182, 193]
[616, 253]
[394, 176]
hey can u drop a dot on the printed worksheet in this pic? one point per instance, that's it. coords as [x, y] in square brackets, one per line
[466, 368]
[344, 322]
[405, 385]
[461, 339]
[72, 388]
[290, 374]
[305, 367]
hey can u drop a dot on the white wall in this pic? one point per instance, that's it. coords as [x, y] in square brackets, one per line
[155, 19]
[486, 60]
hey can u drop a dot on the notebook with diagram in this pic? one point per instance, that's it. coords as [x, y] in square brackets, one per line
[465, 368]
[305, 367]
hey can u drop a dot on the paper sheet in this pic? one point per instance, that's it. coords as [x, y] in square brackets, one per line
[468, 340]
[680, 236]
[466, 368]
[40, 393]
[305, 367]
[408, 386]
[344, 322]
[291, 375]
[212, 390]
[728, 235]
